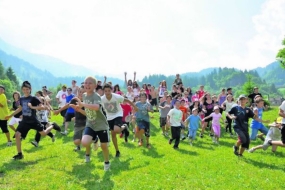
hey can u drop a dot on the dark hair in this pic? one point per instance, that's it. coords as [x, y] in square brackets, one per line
[97, 88]
[117, 86]
[107, 85]
[73, 101]
[26, 84]
[40, 93]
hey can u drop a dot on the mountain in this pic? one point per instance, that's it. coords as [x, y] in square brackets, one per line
[263, 70]
[26, 71]
[203, 72]
[47, 63]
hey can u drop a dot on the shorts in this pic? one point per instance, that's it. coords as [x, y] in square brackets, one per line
[243, 137]
[217, 130]
[4, 126]
[153, 102]
[283, 133]
[24, 127]
[102, 135]
[254, 131]
[63, 113]
[162, 121]
[118, 121]
[78, 133]
[145, 126]
[14, 121]
[69, 116]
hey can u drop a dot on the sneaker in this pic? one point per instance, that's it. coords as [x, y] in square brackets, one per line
[35, 143]
[175, 147]
[231, 135]
[53, 138]
[95, 146]
[235, 148]
[213, 139]
[64, 133]
[107, 166]
[87, 159]
[9, 143]
[170, 141]
[211, 134]
[118, 154]
[251, 150]
[148, 146]
[18, 157]
[166, 134]
[76, 149]
[201, 135]
[55, 126]
[183, 138]
[140, 143]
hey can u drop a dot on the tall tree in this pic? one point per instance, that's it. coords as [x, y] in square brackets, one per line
[281, 55]
[12, 76]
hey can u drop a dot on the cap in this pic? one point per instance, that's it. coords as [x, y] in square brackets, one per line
[64, 86]
[194, 109]
[216, 108]
[1, 86]
[242, 96]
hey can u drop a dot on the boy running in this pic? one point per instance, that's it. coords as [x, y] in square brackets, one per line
[28, 105]
[4, 111]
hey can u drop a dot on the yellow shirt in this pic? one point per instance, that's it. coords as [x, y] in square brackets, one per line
[4, 111]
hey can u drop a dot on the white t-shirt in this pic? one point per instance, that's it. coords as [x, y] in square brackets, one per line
[229, 106]
[136, 91]
[175, 117]
[62, 98]
[282, 107]
[113, 107]
[130, 96]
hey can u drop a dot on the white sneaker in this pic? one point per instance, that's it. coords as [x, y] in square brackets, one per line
[9, 143]
[87, 159]
[251, 150]
[107, 166]
[64, 133]
[95, 146]
[213, 139]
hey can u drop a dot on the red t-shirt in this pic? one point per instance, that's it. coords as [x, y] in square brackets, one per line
[184, 111]
[201, 93]
[127, 109]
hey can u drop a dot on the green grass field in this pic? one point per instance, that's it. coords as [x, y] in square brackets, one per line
[202, 166]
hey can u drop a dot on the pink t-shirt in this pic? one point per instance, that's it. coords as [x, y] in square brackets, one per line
[216, 118]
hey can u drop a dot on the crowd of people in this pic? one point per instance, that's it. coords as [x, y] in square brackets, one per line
[100, 110]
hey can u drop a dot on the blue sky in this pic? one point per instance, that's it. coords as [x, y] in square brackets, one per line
[150, 36]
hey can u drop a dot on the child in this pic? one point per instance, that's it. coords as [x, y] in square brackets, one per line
[193, 122]
[96, 120]
[174, 119]
[127, 110]
[15, 119]
[274, 134]
[164, 107]
[4, 111]
[28, 105]
[258, 126]
[142, 119]
[229, 103]
[184, 110]
[216, 115]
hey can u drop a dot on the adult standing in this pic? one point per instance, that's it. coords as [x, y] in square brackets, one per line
[74, 87]
[254, 94]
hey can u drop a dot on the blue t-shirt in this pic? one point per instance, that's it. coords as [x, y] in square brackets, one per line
[68, 99]
[255, 124]
[193, 122]
[142, 113]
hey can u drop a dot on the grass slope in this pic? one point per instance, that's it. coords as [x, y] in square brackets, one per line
[203, 166]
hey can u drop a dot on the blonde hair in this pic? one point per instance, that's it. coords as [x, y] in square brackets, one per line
[93, 79]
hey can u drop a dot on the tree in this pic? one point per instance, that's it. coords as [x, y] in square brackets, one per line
[2, 71]
[281, 55]
[12, 77]
[248, 85]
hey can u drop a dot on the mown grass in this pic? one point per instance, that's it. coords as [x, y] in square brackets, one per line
[203, 166]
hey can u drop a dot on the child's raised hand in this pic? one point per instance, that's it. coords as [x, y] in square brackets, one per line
[30, 105]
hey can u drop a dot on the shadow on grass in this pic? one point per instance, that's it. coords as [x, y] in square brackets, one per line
[201, 145]
[261, 164]
[188, 152]
[151, 152]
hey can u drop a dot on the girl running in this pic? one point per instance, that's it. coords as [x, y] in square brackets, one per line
[16, 118]
[228, 104]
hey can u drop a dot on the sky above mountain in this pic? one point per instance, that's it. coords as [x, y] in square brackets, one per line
[150, 36]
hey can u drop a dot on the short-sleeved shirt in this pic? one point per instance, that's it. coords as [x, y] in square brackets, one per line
[142, 113]
[4, 111]
[29, 115]
[127, 109]
[209, 107]
[216, 118]
[193, 122]
[16, 106]
[255, 124]
[282, 107]
[68, 99]
[242, 117]
[113, 106]
[184, 112]
[164, 111]
[61, 95]
[175, 117]
[96, 120]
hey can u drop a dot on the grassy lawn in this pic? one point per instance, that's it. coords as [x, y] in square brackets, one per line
[202, 166]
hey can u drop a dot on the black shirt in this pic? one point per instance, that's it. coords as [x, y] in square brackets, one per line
[252, 96]
[80, 119]
[242, 117]
[29, 115]
[16, 106]
[209, 107]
